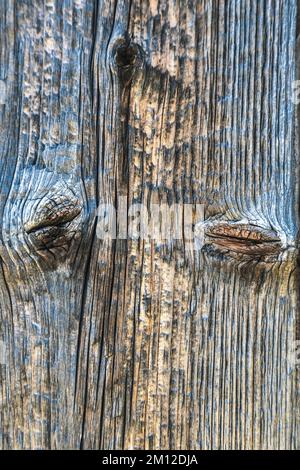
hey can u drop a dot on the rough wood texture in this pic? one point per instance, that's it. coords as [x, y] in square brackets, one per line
[140, 344]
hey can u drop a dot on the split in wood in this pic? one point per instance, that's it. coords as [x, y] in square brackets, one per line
[243, 238]
[53, 220]
[55, 212]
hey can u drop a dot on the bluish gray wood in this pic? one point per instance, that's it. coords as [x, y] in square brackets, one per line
[139, 344]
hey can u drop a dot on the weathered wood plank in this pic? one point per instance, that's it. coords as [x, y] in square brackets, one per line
[140, 343]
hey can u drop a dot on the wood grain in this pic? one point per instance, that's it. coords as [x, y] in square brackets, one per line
[145, 344]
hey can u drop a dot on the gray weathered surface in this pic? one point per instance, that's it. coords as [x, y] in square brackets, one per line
[137, 344]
